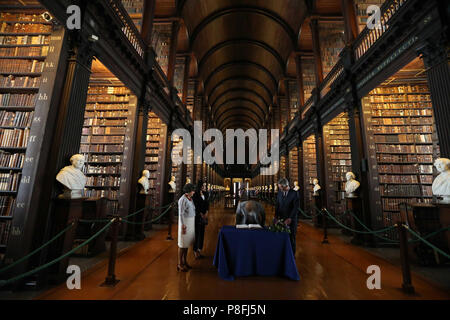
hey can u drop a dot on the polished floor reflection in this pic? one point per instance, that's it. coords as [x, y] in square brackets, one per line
[334, 271]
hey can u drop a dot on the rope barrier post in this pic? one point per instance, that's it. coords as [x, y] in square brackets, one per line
[406, 271]
[169, 231]
[325, 227]
[111, 280]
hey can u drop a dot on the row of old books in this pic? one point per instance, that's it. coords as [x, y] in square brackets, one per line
[119, 90]
[412, 190]
[24, 40]
[91, 169]
[7, 205]
[21, 66]
[16, 16]
[11, 160]
[108, 98]
[9, 181]
[94, 131]
[407, 168]
[104, 122]
[24, 100]
[399, 98]
[24, 51]
[85, 148]
[103, 158]
[101, 181]
[96, 139]
[14, 138]
[402, 129]
[15, 119]
[19, 82]
[107, 114]
[8, 27]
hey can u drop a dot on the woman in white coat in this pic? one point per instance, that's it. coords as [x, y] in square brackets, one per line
[186, 226]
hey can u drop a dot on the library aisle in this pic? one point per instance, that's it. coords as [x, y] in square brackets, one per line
[335, 271]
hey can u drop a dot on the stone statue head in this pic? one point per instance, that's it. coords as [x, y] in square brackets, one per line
[146, 173]
[442, 164]
[350, 176]
[172, 178]
[315, 182]
[77, 160]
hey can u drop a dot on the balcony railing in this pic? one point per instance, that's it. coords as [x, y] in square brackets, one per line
[368, 36]
[325, 86]
[362, 44]
[129, 29]
[307, 106]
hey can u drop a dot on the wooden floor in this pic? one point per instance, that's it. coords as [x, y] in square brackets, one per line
[334, 271]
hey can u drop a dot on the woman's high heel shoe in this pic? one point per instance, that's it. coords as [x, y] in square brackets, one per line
[181, 268]
[187, 266]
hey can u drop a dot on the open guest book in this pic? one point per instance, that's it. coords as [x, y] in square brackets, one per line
[248, 226]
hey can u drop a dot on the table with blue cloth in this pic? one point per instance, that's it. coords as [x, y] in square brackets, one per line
[259, 252]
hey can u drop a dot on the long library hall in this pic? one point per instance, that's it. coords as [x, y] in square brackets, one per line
[224, 150]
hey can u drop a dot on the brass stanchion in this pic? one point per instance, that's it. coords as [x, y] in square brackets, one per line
[406, 271]
[111, 280]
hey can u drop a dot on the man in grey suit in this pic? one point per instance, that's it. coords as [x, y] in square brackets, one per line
[250, 212]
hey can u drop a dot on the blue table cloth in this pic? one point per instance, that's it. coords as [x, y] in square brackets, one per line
[247, 252]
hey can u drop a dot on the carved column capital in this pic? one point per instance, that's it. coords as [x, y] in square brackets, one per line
[434, 52]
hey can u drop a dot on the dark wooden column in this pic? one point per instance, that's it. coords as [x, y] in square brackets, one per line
[301, 171]
[143, 108]
[359, 156]
[147, 21]
[186, 79]
[320, 150]
[70, 121]
[436, 56]
[350, 25]
[173, 52]
[316, 50]
[288, 97]
[301, 88]
[287, 170]
[167, 170]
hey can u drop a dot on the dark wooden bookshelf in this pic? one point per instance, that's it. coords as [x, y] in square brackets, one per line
[17, 240]
[409, 102]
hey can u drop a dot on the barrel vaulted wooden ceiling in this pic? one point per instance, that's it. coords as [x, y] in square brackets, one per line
[242, 50]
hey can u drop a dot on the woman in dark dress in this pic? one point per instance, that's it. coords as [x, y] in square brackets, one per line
[201, 202]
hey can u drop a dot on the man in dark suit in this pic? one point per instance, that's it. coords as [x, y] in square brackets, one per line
[286, 208]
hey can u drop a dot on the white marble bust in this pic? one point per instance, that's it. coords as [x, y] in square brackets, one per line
[351, 185]
[173, 185]
[72, 178]
[317, 187]
[144, 182]
[270, 188]
[296, 187]
[441, 185]
[188, 180]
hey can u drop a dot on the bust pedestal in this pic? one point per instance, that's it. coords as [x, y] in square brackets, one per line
[65, 211]
[354, 205]
[317, 203]
[425, 219]
[135, 232]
